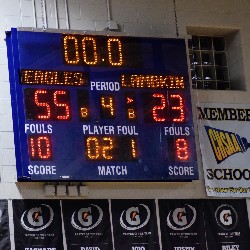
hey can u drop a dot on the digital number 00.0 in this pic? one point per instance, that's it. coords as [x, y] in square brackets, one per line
[85, 49]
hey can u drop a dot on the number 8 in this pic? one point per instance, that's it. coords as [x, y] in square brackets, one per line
[181, 149]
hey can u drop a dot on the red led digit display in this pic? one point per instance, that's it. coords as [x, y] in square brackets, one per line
[177, 108]
[47, 104]
[110, 148]
[38, 96]
[157, 107]
[163, 107]
[178, 149]
[157, 111]
[181, 148]
[40, 147]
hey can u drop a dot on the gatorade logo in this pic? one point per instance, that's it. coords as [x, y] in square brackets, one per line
[87, 218]
[226, 217]
[181, 218]
[135, 217]
[37, 218]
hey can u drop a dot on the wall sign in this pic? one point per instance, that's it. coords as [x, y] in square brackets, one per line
[87, 224]
[135, 224]
[182, 224]
[91, 107]
[37, 224]
[224, 142]
[226, 224]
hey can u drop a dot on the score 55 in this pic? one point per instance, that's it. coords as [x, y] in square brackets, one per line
[47, 104]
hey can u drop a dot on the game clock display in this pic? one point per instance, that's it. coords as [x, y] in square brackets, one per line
[100, 107]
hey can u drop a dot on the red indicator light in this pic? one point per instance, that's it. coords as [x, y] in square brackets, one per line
[129, 100]
[40, 148]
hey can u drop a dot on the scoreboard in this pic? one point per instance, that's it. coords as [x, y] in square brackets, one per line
[89, 107]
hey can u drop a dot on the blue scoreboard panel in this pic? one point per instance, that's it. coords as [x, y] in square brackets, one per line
[100, 107]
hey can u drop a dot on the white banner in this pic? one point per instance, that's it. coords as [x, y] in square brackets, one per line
[224, 135]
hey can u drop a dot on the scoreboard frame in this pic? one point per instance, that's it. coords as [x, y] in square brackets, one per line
[100, 107]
